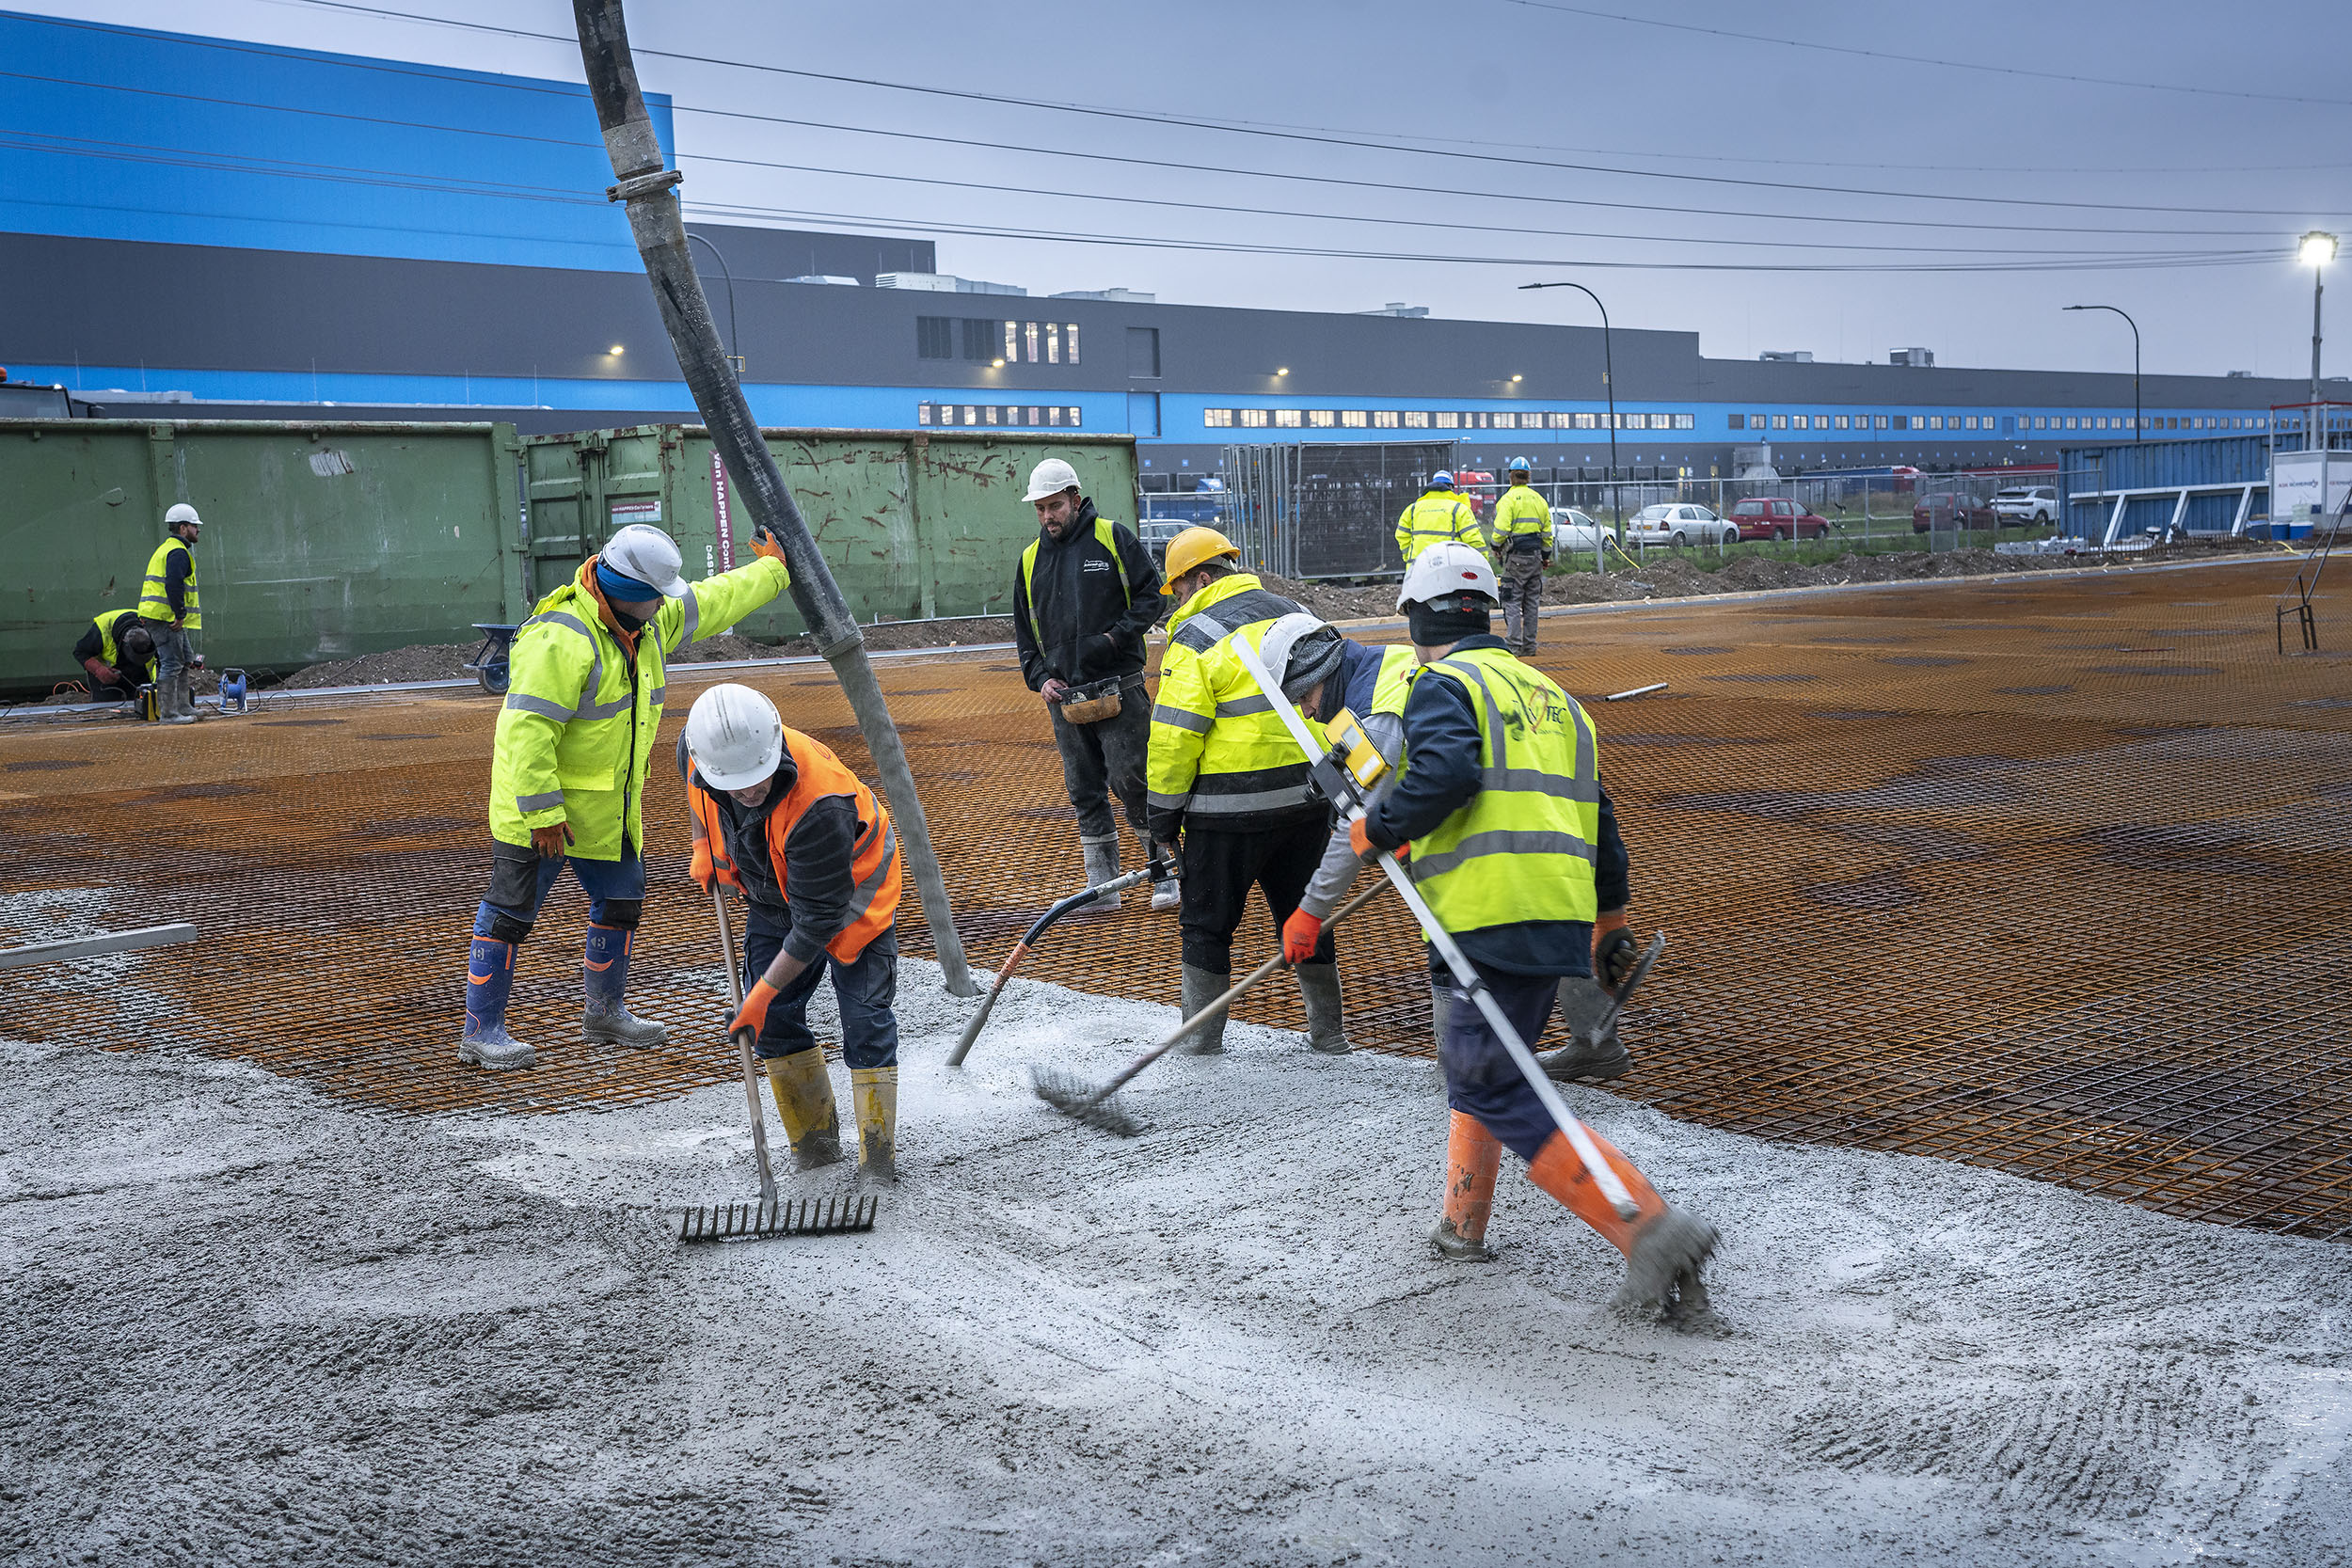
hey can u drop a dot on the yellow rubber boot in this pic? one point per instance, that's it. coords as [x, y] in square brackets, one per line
[1473, 1157]
[874, 1091]
[804, 1100]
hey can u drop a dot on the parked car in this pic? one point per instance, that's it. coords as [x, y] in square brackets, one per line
[1776, 517]
[1680, 523]
[1950, 509]
[2028, 504]
[1573, 531]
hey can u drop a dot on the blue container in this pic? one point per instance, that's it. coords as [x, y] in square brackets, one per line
[2215, 469]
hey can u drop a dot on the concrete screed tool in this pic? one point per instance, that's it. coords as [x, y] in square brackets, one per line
[1157, 871]
[769, 1217]
[1096, 1108]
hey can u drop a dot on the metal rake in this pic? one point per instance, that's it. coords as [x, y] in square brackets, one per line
[828, 1216]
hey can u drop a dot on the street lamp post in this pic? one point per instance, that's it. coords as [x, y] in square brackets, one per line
[734, 342]
[2318, 250]
[2138, 422]
[1609, 382]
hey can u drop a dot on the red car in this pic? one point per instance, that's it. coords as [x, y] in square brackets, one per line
[1775, 518]
[1950, 509]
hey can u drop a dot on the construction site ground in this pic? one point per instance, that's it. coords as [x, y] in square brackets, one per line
[2001, 1030]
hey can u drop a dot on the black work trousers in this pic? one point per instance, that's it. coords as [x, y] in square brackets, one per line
[1221, 868]
[1522, 599]
[1104, 757]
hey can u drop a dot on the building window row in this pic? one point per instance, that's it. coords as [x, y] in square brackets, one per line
[1061, 415]
[1430, 418]
[983, 341]
[1987, 423]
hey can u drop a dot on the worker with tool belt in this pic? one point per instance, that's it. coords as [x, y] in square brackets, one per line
[1514, 847]
[776, 815]
[119, 654]
[1226, 779]
[170, 606]
[1520, 536]
[586, 682]
[1439, 517]
[1085, 598]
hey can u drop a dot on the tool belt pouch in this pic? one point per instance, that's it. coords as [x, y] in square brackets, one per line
[1092, 704]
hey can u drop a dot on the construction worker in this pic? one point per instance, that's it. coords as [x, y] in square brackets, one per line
[777, 816]
[1515, 845]
[119, 654]
[586, 676]
[168, 605]
[1520, 538]
[1085, 596]
[1228, 781]
[1439, 517]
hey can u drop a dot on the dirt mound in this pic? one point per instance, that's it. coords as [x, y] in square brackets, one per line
[1333, 601]
[427, 661]
[961, 632]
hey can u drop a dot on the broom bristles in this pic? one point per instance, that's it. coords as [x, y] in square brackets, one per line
[1076, 1098]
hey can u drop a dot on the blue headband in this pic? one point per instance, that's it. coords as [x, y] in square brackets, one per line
[629, 589]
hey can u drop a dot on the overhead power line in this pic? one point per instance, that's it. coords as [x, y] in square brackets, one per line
[2075, 78]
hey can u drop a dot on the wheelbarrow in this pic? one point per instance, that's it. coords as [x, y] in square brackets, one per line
[490, 660]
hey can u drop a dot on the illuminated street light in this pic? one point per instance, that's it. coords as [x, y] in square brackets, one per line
[2318, 250]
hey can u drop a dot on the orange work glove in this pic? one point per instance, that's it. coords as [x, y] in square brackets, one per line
[1360, 841]
[767, 543]
[549, 840]
[699, 866]
[1300, 933]
[752, 1015]
[1614, 954]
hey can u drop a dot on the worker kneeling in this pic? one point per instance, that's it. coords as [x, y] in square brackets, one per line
[777, 816]
[1516, 848]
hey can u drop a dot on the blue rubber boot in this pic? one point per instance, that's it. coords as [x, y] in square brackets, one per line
[604, 975]
[489, 978]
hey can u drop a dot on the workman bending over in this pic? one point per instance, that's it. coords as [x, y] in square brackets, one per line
[1519, 537]
[119, 654]
[1517, 850]
[1439, 517]
[777, 816]
[170, 605]
[1085, 598]
[586, 682]
[1228, 778]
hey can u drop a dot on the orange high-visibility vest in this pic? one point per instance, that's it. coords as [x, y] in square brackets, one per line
[874, 863]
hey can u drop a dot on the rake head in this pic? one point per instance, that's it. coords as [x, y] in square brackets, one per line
[1083, 1102]
[831, 1216]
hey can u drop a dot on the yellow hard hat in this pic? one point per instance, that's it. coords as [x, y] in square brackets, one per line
[1190, 549]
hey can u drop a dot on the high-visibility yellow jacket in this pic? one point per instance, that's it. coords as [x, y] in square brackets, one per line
[154, 602]
[1220, 755]
[108, 622]
[1521, 515]
[583, 701]
[1524, 847]
[1435, 517]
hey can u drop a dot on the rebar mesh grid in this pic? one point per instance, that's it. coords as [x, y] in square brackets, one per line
[2048, 875]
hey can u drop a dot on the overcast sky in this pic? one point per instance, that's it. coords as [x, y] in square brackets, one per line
[1518, 80]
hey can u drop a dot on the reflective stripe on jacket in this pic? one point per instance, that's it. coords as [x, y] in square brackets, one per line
[155, 595]
[583, 701]
[1522, 849]
[1083, 604]
[1520, 515]
[1220, 756]
[874, 863]
[1435, 517]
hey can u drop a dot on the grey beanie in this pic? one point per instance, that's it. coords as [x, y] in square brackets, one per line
[1313, 658]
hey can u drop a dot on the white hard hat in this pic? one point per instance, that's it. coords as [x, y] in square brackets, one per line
[183, 512]
[1296, 657]
[733, 736]
[1051, 478]
[1445, 569]
[644, 552]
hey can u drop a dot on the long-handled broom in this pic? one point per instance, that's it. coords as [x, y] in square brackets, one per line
[769, 1217]
[1095, 1107]
[1029, 938]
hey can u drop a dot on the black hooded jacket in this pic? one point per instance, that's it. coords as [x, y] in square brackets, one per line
[1093, 605]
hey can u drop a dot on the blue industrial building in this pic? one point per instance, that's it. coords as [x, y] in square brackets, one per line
[206, 226]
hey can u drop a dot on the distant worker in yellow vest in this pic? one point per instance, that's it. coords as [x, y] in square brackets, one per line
[117, 653]
[1515, 845]
[168, 603]
[586, 679]
[1440, 516]
[1520, 538]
